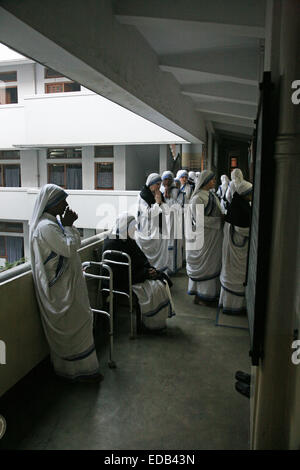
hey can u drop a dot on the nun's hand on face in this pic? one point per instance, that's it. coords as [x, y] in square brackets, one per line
[152, 273]
[157, 196]
[69, 217]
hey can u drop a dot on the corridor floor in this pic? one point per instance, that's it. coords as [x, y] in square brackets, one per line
[168, 392]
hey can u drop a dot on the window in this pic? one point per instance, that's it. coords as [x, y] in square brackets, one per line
[233, 162]
[9, 154]
[64, 152]
[62, 87]
[8, 76]
[68, 176]
[8, 95]
[104, 151]
[104, 175]
[10, 176]
[49, 73]
[11, 249]
[11, 227]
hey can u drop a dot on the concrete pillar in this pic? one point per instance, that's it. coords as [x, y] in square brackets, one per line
[209, 151]
[120, 167]
[43, 170]
[191, 156]
[88, 168]
[163, 158]
[29, 168]
[26, 240]
[276, 407]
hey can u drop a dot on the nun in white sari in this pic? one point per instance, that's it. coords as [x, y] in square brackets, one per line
[236, 178]
[204, 265]
[149, 285]
[235, 251]
[170, 193]
[152, 227]
[60, 287]
[221, 192]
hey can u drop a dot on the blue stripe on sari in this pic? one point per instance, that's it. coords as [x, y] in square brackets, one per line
[83, 355]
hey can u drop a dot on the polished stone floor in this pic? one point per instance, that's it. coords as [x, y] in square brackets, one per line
[168, 392]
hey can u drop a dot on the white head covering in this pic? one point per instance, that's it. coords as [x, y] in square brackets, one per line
[197, 174]
[49, 196]
[243, 188]
[182, 173]
[204, 178]
[192, 176]
[153, 178]
[121, 226]
[224, 179]
[167, 175]
[237, 176]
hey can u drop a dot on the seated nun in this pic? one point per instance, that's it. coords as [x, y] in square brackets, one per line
[236, 178]
[152, 229]
[60, 287]
[203, 264]
[235, 251]
[221, 193]
[150, 285]
[170, 193]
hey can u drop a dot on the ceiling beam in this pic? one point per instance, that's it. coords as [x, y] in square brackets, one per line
[223, 91]
[228, 109]
[236, 121]
[194, 26]
[240, 65]
[229, 12]
[231, 128]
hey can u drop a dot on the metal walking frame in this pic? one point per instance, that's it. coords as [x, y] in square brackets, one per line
[128, 294]
[109, 314]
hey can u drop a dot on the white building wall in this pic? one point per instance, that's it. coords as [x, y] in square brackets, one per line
[96, 209]
[12, 125]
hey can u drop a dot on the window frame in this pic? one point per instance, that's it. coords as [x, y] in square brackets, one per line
[96, 176]
[68, 159]
[5, 88]
[63, 84]
[64, 164]
[10, 81]
[53, 76]
[5, 236]
[2, 159]
[2, 179]
[103, 157]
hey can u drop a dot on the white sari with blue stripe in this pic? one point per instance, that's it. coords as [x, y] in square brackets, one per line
[155, 303]
[63, 298]
[148, 236]
[233, 274]
[203, 266]
[175, 244]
